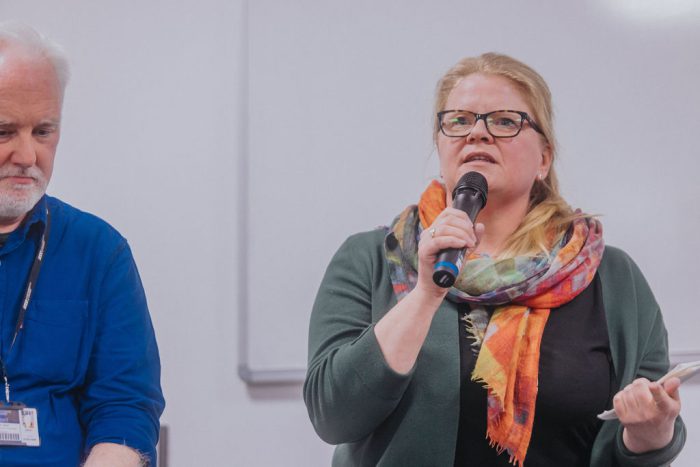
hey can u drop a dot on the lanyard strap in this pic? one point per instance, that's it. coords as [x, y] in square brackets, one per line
[29, 290]
[33, 276]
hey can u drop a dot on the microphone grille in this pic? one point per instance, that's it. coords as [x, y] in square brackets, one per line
[474, 181]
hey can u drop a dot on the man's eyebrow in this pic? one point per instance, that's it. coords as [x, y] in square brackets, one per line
[49, 121]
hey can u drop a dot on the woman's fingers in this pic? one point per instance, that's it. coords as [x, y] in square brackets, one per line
[634, 401]
[451, 229]
[645, 402]
[455, 223]
[648, 412]
[456, 236]
[671, 387]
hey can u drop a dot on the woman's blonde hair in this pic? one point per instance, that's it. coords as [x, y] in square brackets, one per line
[548, 214]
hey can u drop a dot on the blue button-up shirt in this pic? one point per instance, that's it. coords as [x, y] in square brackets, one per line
[86, 358]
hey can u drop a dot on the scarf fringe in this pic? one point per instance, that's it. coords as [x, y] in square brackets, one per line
[499, 450]
[477, 332]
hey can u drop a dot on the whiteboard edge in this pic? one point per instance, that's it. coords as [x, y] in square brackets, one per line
[297, 375]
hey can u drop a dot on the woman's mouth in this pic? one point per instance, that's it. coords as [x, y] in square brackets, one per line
[479, 157]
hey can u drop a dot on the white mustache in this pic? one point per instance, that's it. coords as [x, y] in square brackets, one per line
[31, 172]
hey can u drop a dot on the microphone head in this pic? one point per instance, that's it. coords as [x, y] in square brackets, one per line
[472, 181]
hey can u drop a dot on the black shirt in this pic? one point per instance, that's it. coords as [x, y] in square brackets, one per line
[575, 384]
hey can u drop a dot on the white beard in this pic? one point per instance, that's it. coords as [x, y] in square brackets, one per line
[18, 199]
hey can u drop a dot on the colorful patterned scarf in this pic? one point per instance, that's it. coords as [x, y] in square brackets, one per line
[523, 289]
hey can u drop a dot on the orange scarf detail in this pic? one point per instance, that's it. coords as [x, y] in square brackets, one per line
[432, 203]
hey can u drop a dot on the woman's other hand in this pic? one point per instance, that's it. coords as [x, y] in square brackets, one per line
[648, 412]
[451, 229]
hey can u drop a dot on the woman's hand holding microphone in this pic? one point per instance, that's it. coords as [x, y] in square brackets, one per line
[451, 229]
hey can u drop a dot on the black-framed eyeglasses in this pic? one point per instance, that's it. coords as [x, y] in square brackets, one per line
[499, 123]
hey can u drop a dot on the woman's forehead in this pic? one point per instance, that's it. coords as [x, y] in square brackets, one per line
[481, 93]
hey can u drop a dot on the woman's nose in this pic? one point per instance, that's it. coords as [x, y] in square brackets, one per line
[480, 132]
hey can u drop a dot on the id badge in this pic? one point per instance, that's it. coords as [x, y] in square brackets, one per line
[19, 425]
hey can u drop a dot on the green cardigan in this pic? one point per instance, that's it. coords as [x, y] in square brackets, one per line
[379, 417]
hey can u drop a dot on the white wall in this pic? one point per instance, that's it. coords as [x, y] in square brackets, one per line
[151, 140]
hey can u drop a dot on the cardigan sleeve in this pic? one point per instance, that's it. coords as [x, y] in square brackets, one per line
[639, 346]
[349, 389]
[654, 365]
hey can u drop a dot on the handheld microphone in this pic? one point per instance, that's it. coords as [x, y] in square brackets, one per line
[469, 196]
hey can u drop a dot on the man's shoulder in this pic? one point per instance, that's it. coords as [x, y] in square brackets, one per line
[75, 223]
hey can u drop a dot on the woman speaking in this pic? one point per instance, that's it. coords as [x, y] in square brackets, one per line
[544, 327]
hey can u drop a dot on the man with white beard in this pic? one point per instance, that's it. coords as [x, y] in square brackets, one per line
[78, 355]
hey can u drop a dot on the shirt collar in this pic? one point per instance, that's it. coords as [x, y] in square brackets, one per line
[36, 216]
[34, 222]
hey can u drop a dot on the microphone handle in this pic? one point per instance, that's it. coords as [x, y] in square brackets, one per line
[449, 260]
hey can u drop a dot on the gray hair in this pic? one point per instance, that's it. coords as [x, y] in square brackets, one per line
[13, 33]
